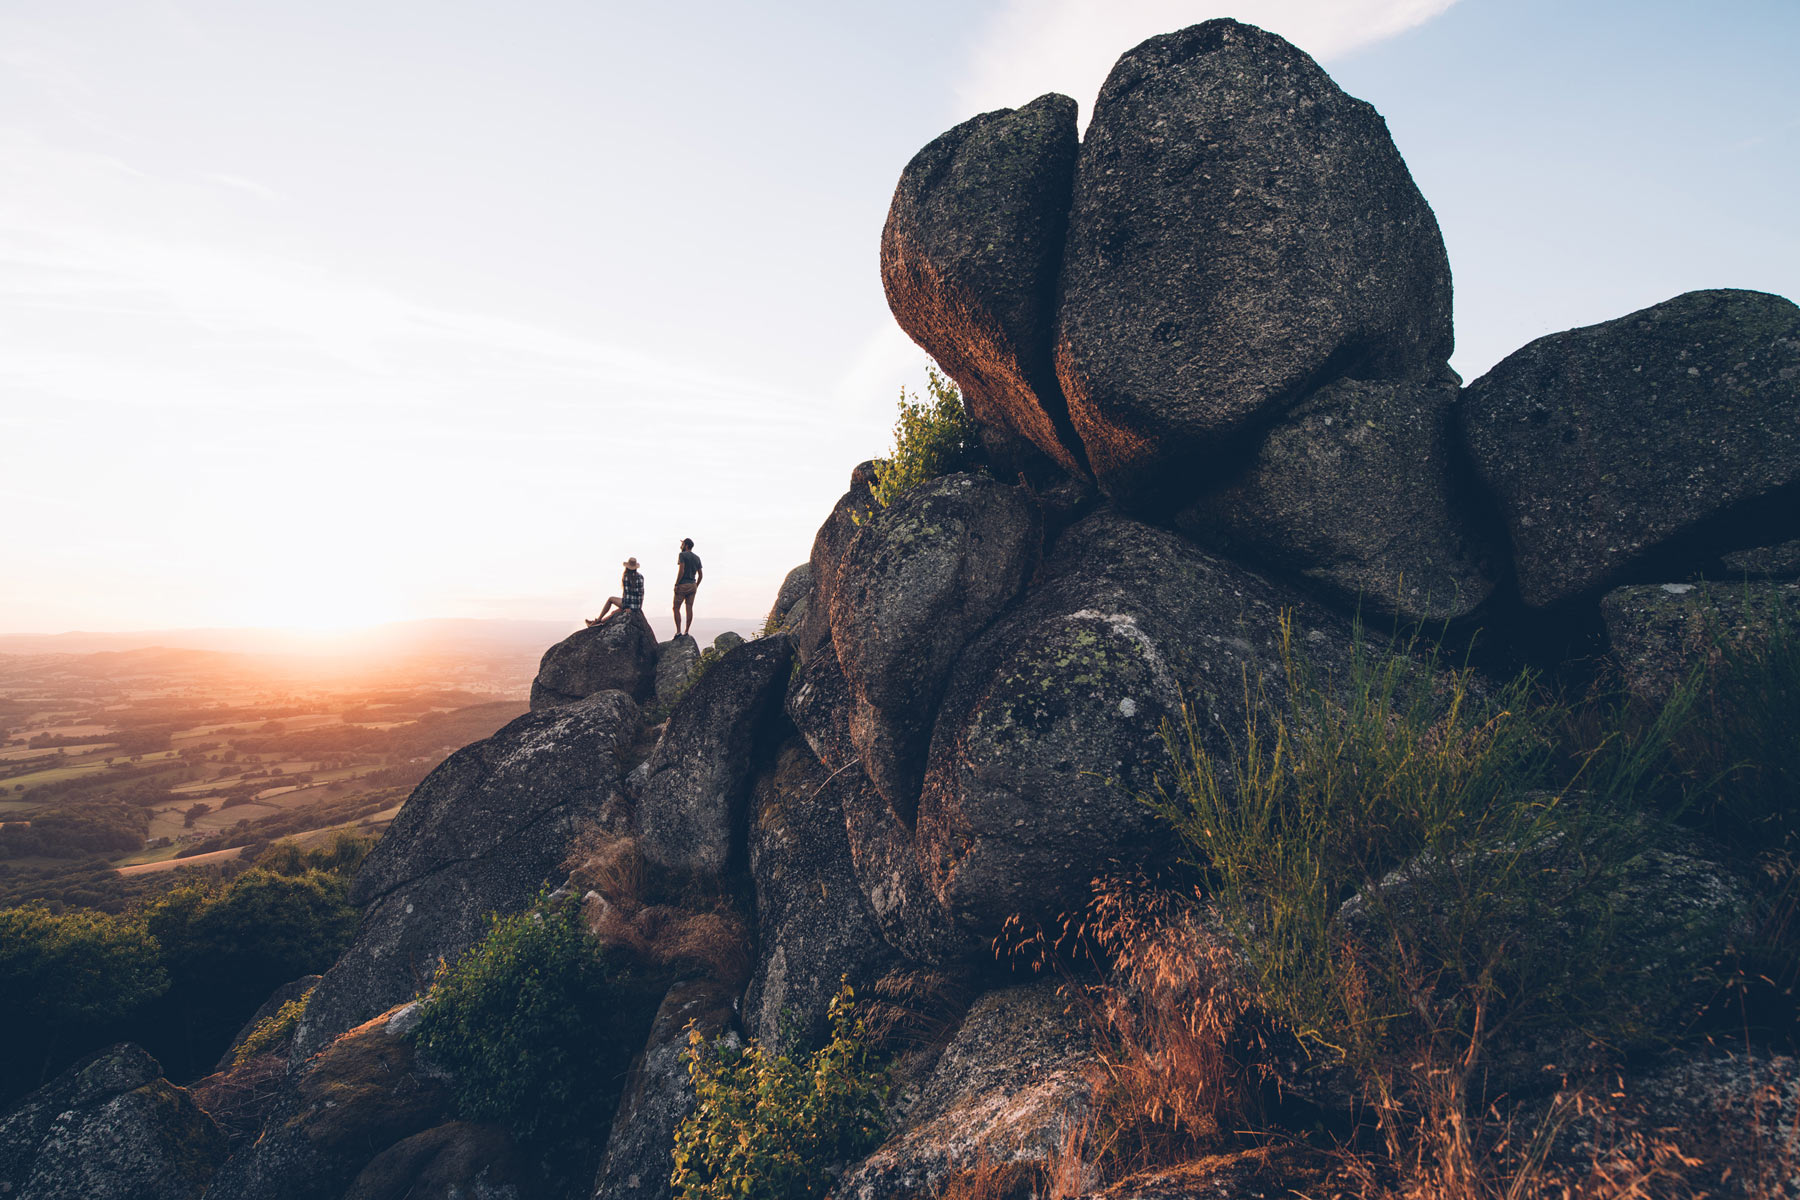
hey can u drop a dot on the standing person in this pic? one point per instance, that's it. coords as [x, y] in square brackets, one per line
[687, 582]
[630, 598]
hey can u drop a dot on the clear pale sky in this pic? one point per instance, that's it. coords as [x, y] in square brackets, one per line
[361, 310]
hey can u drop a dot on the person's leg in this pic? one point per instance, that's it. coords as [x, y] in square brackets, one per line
[612, 602]
[677, 611]
[690, 613]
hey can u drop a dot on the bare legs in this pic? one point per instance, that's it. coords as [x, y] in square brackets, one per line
[612, 602]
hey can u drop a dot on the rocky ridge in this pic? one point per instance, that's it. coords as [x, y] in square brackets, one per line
[1205, 347]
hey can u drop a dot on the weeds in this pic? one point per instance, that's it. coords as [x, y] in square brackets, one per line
[628, 910]
[769, 1126]
[932, 437]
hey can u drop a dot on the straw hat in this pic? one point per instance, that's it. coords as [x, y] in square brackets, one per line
[632, 563]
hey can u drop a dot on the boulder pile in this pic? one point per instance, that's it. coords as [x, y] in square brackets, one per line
[1206, 350]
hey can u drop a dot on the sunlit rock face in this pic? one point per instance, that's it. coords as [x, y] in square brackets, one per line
[970, 256]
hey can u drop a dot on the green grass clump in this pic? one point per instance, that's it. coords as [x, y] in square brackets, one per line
[932, 437]
[536, 1025]
[272, 1030]
[769, 1126]
[1481, 853]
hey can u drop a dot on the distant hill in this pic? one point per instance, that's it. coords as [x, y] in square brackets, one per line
[459, 637]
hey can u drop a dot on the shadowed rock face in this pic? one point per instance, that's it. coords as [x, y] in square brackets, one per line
[1644, 446]
[617, 656]
[883, 852]
[659, 1093]
[829, 546]
[1659, 632]
[691, 816]
[815, 930]
[970, 256]
[1051, 726]
[481, 834]
[675, 660]
[1353, 492]
[923, 577]
[108, 1128]
[364, 1093]
[1242, 232]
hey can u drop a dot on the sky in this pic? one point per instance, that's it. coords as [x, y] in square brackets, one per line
[351, 311]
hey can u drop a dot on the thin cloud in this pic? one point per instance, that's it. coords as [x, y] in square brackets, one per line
[1031, 47]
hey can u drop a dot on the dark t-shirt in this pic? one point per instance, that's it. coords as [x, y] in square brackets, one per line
[690, 566]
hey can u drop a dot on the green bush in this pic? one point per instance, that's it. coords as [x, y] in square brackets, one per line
[768, 1126]
[63, 974]
[931, 438]
[536, 1024]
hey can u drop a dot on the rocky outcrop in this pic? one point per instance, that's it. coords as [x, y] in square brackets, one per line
[108, 1128]
[1242, 232]
[617, 656]
[364, 1093]
[883, 851]
[1011, 1087]
[828, 549]
[815, 930]
[789, 610]
[1354, 492]
[454, 1161]
[675, 661]
[970, 256]
[1642, 448]
[922, 578]
[1660, 632]
[1051, 727]
[480, 835]
[659, 1093]
[691, 817]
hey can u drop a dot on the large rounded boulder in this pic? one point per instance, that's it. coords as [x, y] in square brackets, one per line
[1242, 232]
[619, 656]
[969, 258]
[1356, 492]
[923, 577]
[1051, 729]
[691, 816]
[1641, 449]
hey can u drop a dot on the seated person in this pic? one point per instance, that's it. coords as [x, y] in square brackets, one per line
[630, 598]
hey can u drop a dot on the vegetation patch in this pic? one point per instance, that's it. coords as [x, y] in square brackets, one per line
[932, 437]
[772, 1126]
[537, 1025]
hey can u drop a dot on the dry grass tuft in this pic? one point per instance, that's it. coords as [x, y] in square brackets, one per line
[690, 932]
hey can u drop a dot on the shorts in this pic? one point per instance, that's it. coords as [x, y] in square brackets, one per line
[685, 591]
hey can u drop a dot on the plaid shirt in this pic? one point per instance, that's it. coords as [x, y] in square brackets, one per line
[631, 591]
